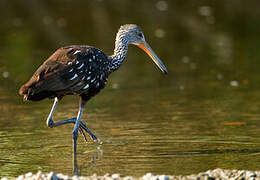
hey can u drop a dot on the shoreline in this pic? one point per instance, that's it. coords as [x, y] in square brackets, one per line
[210, 174]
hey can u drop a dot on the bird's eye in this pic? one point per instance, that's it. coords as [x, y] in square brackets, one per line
[140, 35]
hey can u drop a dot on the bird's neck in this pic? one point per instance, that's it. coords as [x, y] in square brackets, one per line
[120, 51]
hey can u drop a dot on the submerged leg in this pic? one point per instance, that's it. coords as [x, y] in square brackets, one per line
[51, 123]
[75, 131]
[75, 165]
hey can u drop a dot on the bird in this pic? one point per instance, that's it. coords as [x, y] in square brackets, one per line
[82, 70]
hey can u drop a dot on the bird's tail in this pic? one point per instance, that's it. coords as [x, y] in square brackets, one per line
[29, 93]
[25, 91]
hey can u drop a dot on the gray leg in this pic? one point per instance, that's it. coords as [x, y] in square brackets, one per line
[75, 165]
[51, 123]
[77, 125]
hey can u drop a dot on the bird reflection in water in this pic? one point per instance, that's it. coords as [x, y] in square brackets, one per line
[95, 156]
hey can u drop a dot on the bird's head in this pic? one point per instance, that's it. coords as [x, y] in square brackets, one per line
[132, 34]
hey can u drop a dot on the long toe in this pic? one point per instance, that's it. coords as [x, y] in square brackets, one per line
[93, 137]
[81, 130]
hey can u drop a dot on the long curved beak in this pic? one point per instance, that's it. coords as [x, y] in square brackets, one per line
[146, 48]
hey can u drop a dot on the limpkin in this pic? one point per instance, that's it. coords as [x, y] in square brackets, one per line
[82, 70]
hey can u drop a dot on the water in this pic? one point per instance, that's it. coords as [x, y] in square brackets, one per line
[203, 115]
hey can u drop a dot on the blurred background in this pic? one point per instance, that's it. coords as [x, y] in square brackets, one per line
[203, 115]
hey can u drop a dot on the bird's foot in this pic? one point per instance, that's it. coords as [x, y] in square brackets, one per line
[93, 137]
[83, 133]
[82, 127]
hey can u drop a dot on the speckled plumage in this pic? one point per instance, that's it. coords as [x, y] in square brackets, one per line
[79, 70]
[72, 69]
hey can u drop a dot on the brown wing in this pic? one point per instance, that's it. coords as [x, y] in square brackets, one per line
[69, 70]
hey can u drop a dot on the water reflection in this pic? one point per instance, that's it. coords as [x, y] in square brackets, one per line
[95, 154]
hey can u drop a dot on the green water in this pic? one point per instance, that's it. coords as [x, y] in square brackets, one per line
[205, 114]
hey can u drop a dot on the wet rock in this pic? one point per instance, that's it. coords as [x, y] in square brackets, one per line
[115, 176]
[21, 177]
[128, 178]
[164, 177]
[215, 174]
[38, 175]
[29, 174]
